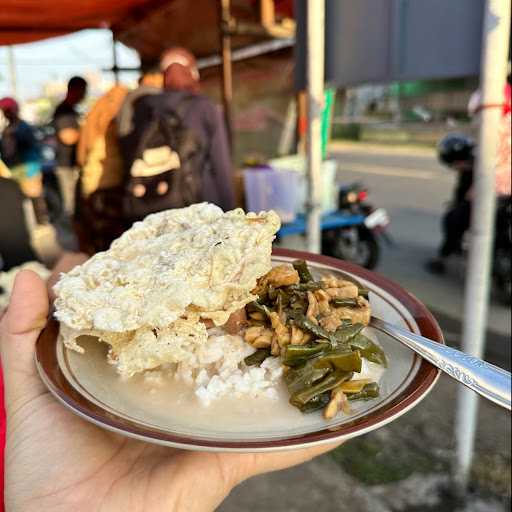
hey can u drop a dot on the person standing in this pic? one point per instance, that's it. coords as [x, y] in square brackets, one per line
[98, 218]
[20, 152]
[177, 153]
[67, 130]
[203, 117]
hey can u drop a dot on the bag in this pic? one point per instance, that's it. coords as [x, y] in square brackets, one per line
[99, 219]
[166, 168]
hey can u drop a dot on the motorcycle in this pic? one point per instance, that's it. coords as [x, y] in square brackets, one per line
[358, 242]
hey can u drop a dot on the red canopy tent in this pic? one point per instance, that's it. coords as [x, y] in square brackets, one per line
[206, 27]
[23, 21]
[148, 26]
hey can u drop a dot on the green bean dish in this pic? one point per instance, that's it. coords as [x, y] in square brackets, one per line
[316, 328]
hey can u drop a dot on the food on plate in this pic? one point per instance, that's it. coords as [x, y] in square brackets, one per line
[191, 294]
[315, 327]
[150, 294]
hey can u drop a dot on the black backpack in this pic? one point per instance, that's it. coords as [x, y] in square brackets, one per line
[165, 166]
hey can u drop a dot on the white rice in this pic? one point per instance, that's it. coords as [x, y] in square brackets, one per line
[216, 369]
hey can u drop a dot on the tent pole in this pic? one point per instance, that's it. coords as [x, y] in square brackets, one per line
[315, 99]
[492, 82]
[227, 64]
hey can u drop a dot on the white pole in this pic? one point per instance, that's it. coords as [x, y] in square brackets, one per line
[315, 96]
[492, 82]
[11, 61]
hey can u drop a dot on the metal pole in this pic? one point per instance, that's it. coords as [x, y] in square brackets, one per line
[315, 98]
[227, 66]
[492, 83]
[12, 70]
[115, 67]
[248, 52]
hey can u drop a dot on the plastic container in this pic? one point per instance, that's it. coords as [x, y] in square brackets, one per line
[297, 164]
[270, 189]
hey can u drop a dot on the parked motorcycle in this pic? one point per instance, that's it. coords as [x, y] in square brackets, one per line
[360, 241]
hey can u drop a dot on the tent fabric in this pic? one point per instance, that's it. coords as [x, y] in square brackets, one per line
[148, 26]
[23, 21]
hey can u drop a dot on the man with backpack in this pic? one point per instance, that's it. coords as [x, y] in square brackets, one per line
[178, 152]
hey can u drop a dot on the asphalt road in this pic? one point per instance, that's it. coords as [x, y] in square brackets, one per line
[414, 189]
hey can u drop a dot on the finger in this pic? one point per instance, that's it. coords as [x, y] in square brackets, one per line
[19, 328]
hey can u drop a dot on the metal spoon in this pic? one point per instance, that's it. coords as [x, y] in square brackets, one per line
[486, 379]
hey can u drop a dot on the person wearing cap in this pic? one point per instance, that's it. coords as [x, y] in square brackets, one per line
[20, 153]
[181, 84]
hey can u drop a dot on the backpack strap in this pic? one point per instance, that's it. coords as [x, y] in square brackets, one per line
[183, 106]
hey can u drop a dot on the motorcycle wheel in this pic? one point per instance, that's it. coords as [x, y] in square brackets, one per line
[355, 244]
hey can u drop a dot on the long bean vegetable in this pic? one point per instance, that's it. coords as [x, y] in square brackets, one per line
[329, 382]
[367, 393]
[257, 357]
[369, 350]
[305, 287]
[323, 360]
[304, 378]
[345, 333]
[302, 268]
[318, 331]
[260, 308]
[341, 359]
[338, 303]
[316, 403]
[293, 355]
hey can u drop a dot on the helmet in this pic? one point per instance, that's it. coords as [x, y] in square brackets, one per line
[455, 147]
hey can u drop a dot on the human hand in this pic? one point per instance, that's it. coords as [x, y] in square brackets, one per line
[55, 461]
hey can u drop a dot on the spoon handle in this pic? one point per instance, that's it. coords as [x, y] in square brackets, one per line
[486, 379]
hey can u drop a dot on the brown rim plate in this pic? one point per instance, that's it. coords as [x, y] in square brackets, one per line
[89, 387]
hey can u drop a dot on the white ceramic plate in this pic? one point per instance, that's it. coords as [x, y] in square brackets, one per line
[171, 414]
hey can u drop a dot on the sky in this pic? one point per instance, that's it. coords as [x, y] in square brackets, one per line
[60, 58]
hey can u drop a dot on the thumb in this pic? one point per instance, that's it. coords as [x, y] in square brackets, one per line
[19, 329]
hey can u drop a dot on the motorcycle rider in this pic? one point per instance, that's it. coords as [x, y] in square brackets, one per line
[457, 152]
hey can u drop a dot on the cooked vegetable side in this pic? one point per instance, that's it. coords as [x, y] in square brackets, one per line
[315, 327]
